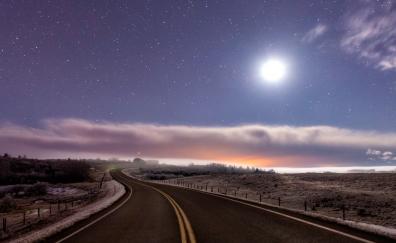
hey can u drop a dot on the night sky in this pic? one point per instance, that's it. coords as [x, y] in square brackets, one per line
[179, 79]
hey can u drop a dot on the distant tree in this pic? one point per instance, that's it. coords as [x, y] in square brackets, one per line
[139, 162]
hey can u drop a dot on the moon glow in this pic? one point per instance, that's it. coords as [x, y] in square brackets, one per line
[273, 70]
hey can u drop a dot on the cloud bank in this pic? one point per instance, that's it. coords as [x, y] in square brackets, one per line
[259, 145]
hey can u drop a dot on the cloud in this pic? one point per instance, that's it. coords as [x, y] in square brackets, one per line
[370, 34]
[314, 33]
[255, 144]
[387, 156]
[373, 152]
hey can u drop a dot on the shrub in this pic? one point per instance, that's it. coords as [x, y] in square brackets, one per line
[37, 189]
[16, 190]
[72, 171]
[362, 212]
[29, 171]
[7, 204]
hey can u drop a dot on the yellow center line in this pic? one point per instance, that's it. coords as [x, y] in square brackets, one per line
[179, 217]
[184, 223]
[187, 224]
[280, 214]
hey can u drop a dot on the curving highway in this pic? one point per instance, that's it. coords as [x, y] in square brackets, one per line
[151, 212]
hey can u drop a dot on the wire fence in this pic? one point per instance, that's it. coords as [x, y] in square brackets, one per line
[341, 211]
[21, 221]
[45, 211]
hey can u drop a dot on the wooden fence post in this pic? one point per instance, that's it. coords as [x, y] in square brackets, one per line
[343, 212]
[38, 212]
[305, 205]
[101, 181]
[211, 189]
[4, 224]
[279, 201]
[246, 195]
[260, 197]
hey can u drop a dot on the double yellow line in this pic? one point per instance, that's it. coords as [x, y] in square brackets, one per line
[186, 231]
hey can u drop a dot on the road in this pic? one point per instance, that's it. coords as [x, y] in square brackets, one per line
[164, 213]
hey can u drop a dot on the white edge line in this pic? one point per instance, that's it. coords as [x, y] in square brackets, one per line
[296, 219]
[271, 211]
[98, 219]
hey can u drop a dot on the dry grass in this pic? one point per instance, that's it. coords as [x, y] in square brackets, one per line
[368, 198]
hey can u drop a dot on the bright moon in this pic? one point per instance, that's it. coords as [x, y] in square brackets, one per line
[273, 70]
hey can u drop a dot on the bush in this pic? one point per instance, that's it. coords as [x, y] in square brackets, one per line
[72, 171]
[16, 190]
[363, 212]
[29, 171]
[37, 189]
[7, 204]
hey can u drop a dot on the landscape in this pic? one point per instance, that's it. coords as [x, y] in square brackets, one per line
[198, 121]
[367, 197]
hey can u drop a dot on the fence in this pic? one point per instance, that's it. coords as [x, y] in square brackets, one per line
[22, 221]
[239, 193]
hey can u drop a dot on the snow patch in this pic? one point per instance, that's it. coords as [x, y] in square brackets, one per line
[64, 191]
[114, 189]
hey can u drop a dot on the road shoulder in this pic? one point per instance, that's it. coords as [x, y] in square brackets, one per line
[115, 191]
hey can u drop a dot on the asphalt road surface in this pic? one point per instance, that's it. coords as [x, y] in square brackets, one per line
[163, 213]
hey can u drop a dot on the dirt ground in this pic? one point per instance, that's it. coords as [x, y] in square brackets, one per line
[367, 197]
